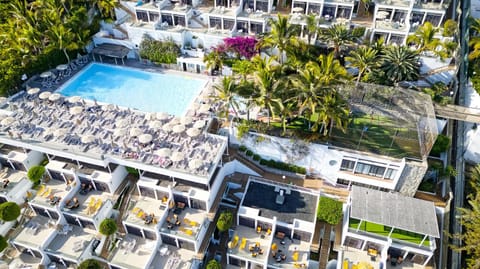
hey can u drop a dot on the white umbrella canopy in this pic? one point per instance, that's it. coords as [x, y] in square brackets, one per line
[177, 156]
[186, 120]
[108, 107]
[199, 124]
[33, 91]
[74, 99]
[178, 128]
[121, 123]
[167, 127]
[59, 132]
[119, 132]
[135, 131]
[145, 138]
[44, 95]
[155, 124]
[162, 116]
[204, 108]
[195, 163]
[150, 116]
[86, 139]
[163, 152]
[175, 121]
[193, 132]
[54, 97]
[7, 121]
[76, 110]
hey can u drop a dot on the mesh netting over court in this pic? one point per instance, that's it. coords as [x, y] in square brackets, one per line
[389, 121]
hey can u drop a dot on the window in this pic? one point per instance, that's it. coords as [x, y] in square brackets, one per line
[368, 169]
[347, 165]
[390, 173]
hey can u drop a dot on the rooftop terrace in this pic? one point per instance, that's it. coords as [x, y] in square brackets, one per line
[71, 244]
[133, 252]
[35, 232]
[296, 205]
[78, 129]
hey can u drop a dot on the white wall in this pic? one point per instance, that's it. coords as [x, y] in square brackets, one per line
[104, 212]
[33, 158]
[118, 175]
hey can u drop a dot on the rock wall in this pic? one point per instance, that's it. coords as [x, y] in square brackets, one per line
[411, 177]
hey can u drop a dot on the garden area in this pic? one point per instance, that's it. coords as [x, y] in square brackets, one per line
[383, 230]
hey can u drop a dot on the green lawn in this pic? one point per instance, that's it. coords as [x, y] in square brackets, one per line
[385, 230]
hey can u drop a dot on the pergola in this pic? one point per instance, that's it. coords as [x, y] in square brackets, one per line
[110, 50]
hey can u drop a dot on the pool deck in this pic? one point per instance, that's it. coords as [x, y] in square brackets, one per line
[104, 131]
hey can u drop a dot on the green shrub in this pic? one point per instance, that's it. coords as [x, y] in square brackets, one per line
[329, 210]
[242, 148]
[249, 153]
[441, 145]
[213, 264]
[159, 51]
[3, 243]
[108, 227]
[9, 211]
[242, 129]
[256, 157]
[89, 264]
[35, 174]
[225, 221]
[263, 162]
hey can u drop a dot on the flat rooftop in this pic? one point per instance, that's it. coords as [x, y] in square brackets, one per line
[73, 243]
[86, 130]
[394, 210]
[296, 205]
[133, 252]
[35, 232]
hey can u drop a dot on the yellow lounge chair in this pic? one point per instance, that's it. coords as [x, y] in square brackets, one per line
[135, 210]
[194, 223]
[274, 247]
[47, 193]
[98, 204]
[41, 190]
[92, 201]
[295, 256]
[140, 214]
[244, 243]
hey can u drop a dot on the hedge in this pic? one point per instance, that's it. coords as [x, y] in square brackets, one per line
[242, 148]
[256, 157]
[275, 164]
[249, 153]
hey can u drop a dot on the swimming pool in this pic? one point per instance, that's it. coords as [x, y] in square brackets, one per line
[128, 87]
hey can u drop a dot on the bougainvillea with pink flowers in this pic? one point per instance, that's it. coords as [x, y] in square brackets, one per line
[241, 46]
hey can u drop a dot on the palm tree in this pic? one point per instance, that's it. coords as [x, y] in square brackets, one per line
[338, 35]
[474, 41]
[265, 96]
[470, 218]
[333, 110]
[281, 36]
[363, 58]
[400, 63]
[424, 38]
[214, 59]
[243, 68]
[226, 92]
[62, 38]
[311, 27]
[330, 71]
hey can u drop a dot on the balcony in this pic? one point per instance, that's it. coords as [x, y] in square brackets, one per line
[145, 212]
[390, 26]
[251, 245]
[184, 222]
[394, 3]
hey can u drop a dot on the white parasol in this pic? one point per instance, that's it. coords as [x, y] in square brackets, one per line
[59, 132]
[155, 124]
[44, 95]
[177, 156]
[163, 152]
[33, 91]
[74, 99]
[199, 124]
[86, 139]
[193, 132]
[121, 123]
[145, 138]
[162, 116]
[54, 97]
[119, 132]
[186, 120]
[178, 128]
[167, 127]
[195, 163]
[76, 110]
[204, 108]
[7, 121]
[174, 121]
[135, 131]
[108, 107]
[150, 116]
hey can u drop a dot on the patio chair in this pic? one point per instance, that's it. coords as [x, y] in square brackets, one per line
[92, 201]
[41, 190]
[243, 243]
[98, 204]
[135, 210]
[47, 192]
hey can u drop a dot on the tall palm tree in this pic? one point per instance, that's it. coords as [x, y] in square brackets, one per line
[333, 110]
[338, 35]
[330, 71]
[363, 58]
[474, 41]
[243, 68]
[62, 38]
[107, 8]
[265, 95]
[311, 27]
[400, 63]
[282, 35]
[214, 60]
[424, 38]
[225, 93]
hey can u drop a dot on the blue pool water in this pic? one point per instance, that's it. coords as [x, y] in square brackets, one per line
[128, 87]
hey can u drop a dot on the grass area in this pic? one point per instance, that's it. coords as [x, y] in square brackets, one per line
[385, 230]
